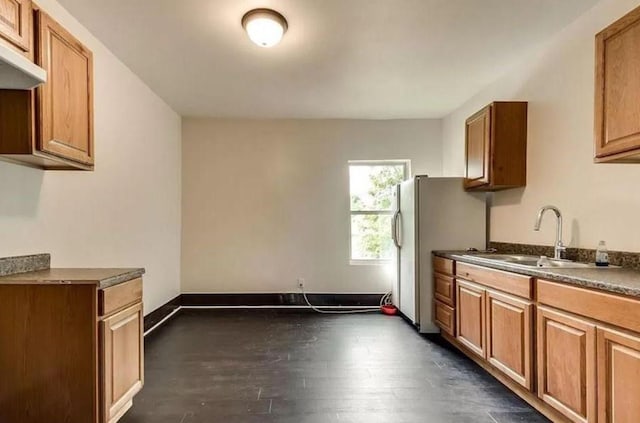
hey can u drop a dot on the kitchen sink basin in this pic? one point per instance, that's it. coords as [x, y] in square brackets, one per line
[526, 261]
[516, 258]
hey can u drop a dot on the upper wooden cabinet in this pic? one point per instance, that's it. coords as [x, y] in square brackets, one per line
[496, 147]
[617, 89]
[52, 127]
[65, 102]
[15, 24]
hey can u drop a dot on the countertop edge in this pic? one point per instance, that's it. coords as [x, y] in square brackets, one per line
[550, 275]
[124, 277]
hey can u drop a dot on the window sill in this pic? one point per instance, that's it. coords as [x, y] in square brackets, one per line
[369, 262]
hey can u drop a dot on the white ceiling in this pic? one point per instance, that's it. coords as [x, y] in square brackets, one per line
[339, 58]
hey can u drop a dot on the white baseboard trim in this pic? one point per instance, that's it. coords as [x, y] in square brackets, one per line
[276, 307]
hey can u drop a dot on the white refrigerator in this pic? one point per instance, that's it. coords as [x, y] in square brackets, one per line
[431, 214]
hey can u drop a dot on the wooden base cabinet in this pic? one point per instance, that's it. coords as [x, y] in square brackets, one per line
[618, 376]
[567, 364]
[572, 353]
[121, 361]
[79, 351]
[470, 317]
[510, 336]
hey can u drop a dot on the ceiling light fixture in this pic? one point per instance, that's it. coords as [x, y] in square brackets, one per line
[265, 27]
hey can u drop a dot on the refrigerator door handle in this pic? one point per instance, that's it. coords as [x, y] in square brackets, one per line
[394, 229]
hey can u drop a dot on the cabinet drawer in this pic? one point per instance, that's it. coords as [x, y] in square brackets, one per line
[444, 289]
[443, 265]
[613, 309]
[119, 296]
[511, 283]
[445, 317]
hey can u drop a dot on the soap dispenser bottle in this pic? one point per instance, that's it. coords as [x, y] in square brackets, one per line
[602, 255]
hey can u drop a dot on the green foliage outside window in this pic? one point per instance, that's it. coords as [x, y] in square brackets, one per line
[371, 233]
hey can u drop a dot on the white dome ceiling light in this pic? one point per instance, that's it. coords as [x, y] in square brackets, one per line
[265, 27]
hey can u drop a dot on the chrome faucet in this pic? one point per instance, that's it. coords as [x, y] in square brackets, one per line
[559, 248]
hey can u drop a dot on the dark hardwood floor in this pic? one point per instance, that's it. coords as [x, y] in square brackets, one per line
[283, 366]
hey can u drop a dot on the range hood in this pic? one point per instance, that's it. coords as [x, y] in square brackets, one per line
[17, 72]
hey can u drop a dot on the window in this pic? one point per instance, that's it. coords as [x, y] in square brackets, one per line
[372, 186]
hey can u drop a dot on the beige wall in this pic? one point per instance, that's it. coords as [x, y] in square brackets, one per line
[266, 202]
[127, 212]
[598, 201]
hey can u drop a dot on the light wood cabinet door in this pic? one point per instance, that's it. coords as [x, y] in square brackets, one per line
[470, 317]
[618, 376]
[15, 23]
[122, 361]
[478, 148]
[567, 364]
[617, 109]
[510, 336]
[65, 101]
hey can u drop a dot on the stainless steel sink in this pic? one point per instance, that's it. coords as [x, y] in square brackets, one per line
[565, 264]
[506, 257]
[526, 261]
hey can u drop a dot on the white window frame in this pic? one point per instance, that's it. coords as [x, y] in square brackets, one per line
[407, 172]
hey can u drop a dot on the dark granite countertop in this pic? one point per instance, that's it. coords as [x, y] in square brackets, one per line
[103, 278]
[614, 279]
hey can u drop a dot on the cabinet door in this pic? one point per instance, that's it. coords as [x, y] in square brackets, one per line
[617, 111]
[15, 23]
[121, 361]
[478, 148]
[65, 101]
[470, 316]
[618, 377]
[509, 336]
[567, 364]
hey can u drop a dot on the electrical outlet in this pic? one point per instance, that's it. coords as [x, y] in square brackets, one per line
[301, 283]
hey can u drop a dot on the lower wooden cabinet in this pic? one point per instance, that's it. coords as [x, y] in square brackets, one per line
[618, 376]
[470, 316]
[571, 352]
[567, 364]
[81, 347]
[121, 361]
[510, 336]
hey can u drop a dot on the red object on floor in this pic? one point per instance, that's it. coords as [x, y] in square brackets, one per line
[389, 309]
